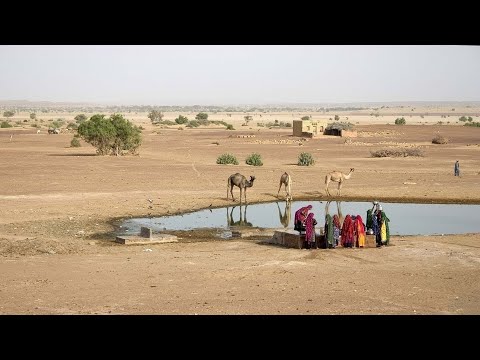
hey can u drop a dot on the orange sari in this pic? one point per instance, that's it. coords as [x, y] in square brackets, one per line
[360, 229]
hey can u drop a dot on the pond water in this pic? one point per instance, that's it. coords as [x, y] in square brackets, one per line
[405, 218]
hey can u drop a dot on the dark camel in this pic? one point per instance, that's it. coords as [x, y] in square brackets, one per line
[240, 181]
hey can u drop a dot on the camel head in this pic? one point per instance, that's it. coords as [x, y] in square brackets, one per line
[252, 178]
[352, 169]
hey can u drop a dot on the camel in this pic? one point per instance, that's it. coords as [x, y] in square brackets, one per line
[240, 181]
[339, 177]
[286, 180]
[285, 218]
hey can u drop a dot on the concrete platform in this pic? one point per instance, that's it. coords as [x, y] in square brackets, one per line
[140, 240]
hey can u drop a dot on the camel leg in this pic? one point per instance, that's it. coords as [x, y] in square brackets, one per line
[326, 189]
[231, 192]
[278, 193]
[245, 194]
[339, 188]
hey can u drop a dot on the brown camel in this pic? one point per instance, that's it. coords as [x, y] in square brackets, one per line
[240, 181]
[339, 177]
[286, 180]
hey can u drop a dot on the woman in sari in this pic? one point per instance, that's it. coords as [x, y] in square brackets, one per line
[310, 223]
[300, 217]
[360, 230]
[347, 232]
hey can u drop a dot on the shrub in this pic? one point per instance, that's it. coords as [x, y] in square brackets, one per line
[400, 121]
[75, 142]
[475, 124]
[305, 159]
[227, 159]
[397, 152]
[439, 139]
[339, 126]
[254, 159]
[181, 120]
[193, 123]
[5, 125]
[230, 127]
[8, 113]
[72, 126]
[306, 117]
[80, 118]
[201, 116]
[33, 116]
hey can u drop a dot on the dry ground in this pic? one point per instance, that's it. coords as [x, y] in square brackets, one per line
[60, 205]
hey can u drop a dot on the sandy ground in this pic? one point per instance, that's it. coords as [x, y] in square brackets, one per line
[60, 207]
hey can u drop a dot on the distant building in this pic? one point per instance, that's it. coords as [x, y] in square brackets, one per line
[309, 128]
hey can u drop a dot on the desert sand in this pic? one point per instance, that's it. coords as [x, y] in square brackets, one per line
[60, 208]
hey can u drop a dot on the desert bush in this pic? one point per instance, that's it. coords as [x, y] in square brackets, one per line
[397, 152]
[400, 121]
[75, 142]
[166, 122]
[254, 159]
[340, 126]
[474, 124]
[72, 126]
[305, 117]
[5, 124]
[201, 116]
[305, 159]
[80, 118]
[227, 159]
[439, 139]
[33, 116]
[181, 120]
[230, 127]
[288, 125]
[58, 123]
[260, 124]
[8, 113]
[193, 123]
[155, 116]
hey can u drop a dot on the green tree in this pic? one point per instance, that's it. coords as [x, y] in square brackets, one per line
[8, 113]
[155, 116]
[110, 135]
[400, 121]
[337, 117]
[80, 118]
[201, 116]
[33, 116]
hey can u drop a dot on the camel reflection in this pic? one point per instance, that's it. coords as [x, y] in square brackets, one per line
[243, 217]
[285, 217]
[339, 210]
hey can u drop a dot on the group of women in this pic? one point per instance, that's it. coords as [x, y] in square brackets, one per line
[352, 233]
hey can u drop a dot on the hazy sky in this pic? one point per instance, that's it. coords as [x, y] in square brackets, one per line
[235, 74]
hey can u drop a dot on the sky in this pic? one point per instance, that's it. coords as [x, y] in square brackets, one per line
[238, 74]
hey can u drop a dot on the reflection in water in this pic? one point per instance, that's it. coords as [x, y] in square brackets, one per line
[406, 219]
[339, 211]
[285, 218]
[243, 217]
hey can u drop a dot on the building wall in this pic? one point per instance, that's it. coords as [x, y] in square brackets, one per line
[313, 127]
